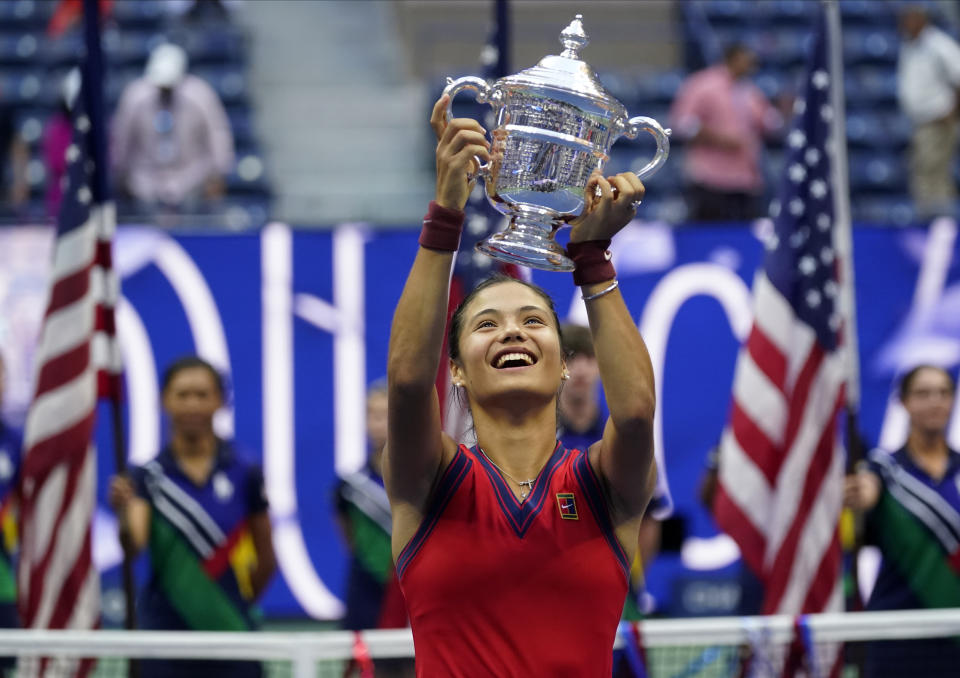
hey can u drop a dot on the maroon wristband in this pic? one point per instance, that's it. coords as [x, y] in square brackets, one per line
[592, 261]
[441, 228]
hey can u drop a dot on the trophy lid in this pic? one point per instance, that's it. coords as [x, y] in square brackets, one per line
[566, 71]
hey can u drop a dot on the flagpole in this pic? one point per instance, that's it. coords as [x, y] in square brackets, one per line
[94, 93]
[843, 226]
[851, 524]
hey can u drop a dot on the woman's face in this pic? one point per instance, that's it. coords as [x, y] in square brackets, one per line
[929, 401]
[190, 400]
[509, 345]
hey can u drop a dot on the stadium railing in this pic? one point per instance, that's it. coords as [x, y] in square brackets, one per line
[673, 648]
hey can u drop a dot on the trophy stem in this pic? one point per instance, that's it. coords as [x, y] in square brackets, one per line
[528, 241]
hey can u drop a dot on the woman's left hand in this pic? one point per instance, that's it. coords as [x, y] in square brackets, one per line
[605, 215]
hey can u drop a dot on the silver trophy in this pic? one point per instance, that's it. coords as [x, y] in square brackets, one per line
[555, 124]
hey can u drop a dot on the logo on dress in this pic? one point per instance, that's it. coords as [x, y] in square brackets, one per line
[222, 487]
[568, 506]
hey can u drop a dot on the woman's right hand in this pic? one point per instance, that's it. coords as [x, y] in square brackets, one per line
[459, 142]
[120, 494]
[861, 490]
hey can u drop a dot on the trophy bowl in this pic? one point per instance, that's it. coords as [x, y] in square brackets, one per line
[554, 125]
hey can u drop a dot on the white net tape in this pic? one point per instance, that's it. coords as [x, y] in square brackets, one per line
[678, 648]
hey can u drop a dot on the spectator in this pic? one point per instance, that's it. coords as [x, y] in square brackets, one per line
[912, 504]
[373, 599]
[363, 513]
[172, 144]
[582, 420]
[56, 139]
[201, 512]
[928, 86]
[14, 158]
[11, 443]
[723, 117]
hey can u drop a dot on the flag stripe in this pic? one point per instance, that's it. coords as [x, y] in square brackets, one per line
[819, 420]
[751, 541]
[769, 359]
[74, 516]
[58, 410]
[750, 437]
[66, 367]
[759, 398]
[744, 481]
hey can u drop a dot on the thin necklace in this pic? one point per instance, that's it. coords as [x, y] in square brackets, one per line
[526, 486]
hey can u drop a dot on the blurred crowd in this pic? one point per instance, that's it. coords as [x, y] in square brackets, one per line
[173, 149]
[171, 146]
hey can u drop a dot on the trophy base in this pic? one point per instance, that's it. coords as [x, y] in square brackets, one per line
[527, 244]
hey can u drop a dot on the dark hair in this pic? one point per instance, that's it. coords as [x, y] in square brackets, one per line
[577, 340]
[189, 362]
[456, 320]
[907, 380]
[735, 49]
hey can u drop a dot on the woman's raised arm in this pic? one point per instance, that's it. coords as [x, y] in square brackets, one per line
[624, 456]
[415, 444]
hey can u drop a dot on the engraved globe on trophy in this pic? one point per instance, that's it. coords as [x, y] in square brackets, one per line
[555, 124]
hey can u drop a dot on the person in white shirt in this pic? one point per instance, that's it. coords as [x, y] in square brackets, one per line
[171, 144]
[928, 87]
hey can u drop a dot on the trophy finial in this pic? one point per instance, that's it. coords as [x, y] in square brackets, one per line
[574, 38]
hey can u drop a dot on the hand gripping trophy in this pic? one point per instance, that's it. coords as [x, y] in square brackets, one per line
[555, 124]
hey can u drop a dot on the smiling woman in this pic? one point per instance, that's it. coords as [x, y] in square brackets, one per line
[513, 554]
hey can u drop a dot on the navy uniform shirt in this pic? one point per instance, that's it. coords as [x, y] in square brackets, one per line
[205, 525]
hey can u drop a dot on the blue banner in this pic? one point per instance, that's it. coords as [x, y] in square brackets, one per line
[299, 323]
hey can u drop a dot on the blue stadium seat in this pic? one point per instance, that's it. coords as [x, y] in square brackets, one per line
[19, 49]
[215, 45]
[244, 134]
[798, 13]
[726, 11]
[144, 14]
[30, 123]
[229, 82]
[865, 129]
[130, 48]
[24, 15]
[894, 210]
[876, 172]
[873, 46]
[20, 88]
[897, 130]
[865, 12]
[873, 86]
[248, 177]
[65, 51]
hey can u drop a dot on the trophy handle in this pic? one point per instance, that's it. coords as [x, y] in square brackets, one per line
[642, 123]
[483, 94]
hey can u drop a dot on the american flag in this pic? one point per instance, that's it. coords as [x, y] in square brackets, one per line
[77, 362]
[781, 465]
[481, 220]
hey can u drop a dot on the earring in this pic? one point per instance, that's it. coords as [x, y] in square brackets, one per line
[565, 375]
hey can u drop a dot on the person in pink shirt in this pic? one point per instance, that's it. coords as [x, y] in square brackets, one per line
[723, 117]
[57, 136]
[171, 143]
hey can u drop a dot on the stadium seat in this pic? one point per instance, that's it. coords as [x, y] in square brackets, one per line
[873, 46]
[143, 14]
[19, 49]
[878, 172]
[229, 82]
